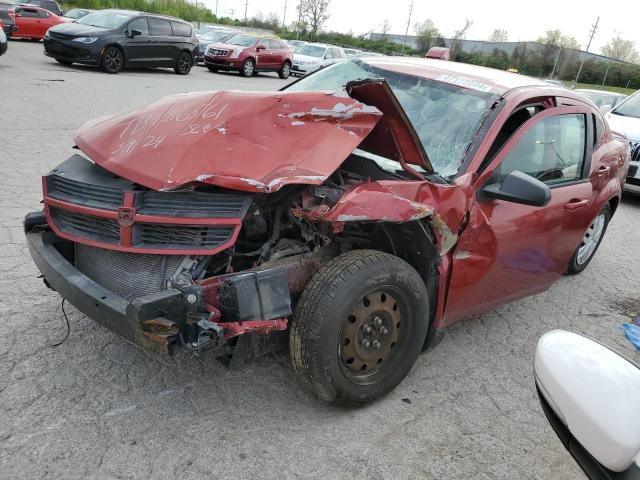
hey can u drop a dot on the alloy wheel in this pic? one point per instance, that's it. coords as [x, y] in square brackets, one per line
[113, 60]
[591, 239]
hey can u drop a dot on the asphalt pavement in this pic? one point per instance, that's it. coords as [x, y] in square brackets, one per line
[97, 407]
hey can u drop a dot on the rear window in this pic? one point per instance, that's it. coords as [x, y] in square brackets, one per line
[181, 29]
[159, 27]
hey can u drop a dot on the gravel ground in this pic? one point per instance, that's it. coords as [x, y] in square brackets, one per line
[97, 407]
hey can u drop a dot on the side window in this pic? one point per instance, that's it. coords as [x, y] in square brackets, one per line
[336, 53]
[552, 151]
[267, 43]
[140, 24]
[28, 12]
[598, 128]
[276, 45]
[328, 54]
[160, 27]
[181, 29]
[52, 6]
[43, 14]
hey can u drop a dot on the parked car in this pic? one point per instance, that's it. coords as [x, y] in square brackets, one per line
[8, 17]
[555, 83]
[590, 396]
[50, 5]
[361, 211]
[249, 54]
[352, 52]
[33, 22]
[117, 39]
[313, 56]
[3, 40]
[439, 53]
[605, 101]
[625, 119]
[296, 43]
[213, 36]
[76, 13]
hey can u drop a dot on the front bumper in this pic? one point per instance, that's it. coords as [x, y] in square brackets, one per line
[632, 184]
[138, 321]
[223, 63]
[71, 51]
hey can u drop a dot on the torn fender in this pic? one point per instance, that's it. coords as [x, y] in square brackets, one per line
[253, 141]
[381, 201]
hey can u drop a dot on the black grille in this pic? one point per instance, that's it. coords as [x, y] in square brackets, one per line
[218, 52]
[635, 151]
[60, 36]
[150, 235]
[97, 196]
[194, 204]
[129, 275]
[86, 226]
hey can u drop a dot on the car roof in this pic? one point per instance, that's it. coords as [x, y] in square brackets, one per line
[462, 74]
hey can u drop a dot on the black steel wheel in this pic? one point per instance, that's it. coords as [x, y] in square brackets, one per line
[184, 63]
[359, 327]
[112, 60]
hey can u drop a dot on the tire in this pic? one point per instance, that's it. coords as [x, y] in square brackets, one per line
[212, 69]
[589, 244]
[285, 71]
[248, 67]
[356, 297]
[112, 60]
[33, 39]
[63, 62]
[184, 63]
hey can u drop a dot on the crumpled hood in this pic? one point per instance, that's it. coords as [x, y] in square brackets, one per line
[253, 141]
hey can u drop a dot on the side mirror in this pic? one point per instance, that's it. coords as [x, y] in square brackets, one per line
[134, 33]
[261, 47]
[590, 395]
[518, 187]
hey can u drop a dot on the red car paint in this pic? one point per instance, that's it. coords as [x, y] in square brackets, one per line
[491, 252]
[33, 22]
[265, 57]
[439, 53]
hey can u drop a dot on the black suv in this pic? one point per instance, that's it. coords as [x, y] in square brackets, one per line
[8, 17]
[50, 5]
[115, 39]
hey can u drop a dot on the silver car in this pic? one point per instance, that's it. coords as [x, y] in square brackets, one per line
[625, 119]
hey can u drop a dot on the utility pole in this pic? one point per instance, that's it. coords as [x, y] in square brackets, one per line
[605, 74]
[246, 5]
[300, 5]
[555, 64]
[232, 11]
[406, 33]
[284, 15]
[593, 32]
[216, 8]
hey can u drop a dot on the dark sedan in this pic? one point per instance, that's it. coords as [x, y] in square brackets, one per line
[117, 39]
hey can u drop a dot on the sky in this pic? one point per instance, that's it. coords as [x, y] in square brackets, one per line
[572, 17]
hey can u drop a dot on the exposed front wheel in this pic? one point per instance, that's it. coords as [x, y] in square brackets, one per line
[590, 242]
[112, 60]
[184, 63]
[248, 67]
[359, 327]
[285, 71]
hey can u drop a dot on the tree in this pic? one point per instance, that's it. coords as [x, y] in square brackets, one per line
[461, 33]
[556, 39]
[427, 33]
[386, 27]
[316, 13]
[621, 49]
[499, 36]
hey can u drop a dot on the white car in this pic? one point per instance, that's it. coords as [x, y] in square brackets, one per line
[590, 396]
[625, 119]
[313, 56]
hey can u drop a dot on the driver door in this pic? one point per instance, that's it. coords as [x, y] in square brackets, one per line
[509, 250]
[139, 50]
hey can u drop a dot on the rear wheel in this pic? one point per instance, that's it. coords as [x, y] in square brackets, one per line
[112, 60]
[248, 67]
[359, 327]
[285, 71]
[63, 62]
[590, 242]
[184, 63]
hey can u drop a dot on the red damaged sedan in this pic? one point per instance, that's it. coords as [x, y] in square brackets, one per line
[356, 214]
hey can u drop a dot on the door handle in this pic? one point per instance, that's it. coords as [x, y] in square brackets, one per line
[602, 171]
[576, 204]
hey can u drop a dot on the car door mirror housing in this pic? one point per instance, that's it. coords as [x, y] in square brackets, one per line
[261, 47]
[517, 187]
[590, 395]
[134, 33]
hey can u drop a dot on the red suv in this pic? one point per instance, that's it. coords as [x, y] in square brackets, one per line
[250, 54]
